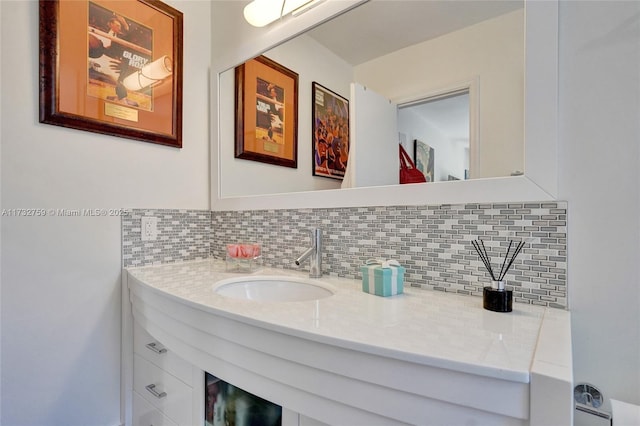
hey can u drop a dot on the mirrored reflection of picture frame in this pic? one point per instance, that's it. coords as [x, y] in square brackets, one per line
[112, 67]
[330, 133]
[423, 156]
[266, 113]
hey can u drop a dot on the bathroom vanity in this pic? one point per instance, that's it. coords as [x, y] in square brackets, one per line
[423, 357]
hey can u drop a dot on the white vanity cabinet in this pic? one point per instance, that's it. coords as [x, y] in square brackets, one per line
[158, 370]
[146, 414]
[423, 357]
[163, 383]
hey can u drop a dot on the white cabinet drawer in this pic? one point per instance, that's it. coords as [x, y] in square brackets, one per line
[152, 350]
[164, 391]
[145, 414]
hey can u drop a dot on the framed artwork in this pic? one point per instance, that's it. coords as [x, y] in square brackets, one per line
[112, 67]
[330, 133]
[423, 157]
[266, 113]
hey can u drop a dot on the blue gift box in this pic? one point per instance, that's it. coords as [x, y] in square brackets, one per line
[382, 281]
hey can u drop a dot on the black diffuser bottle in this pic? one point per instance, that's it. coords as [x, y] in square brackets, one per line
[497, 298]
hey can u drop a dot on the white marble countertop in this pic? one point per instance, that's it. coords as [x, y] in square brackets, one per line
[425, 327]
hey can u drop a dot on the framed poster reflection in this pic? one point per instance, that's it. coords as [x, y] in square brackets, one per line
[330, 130]
[112, 67]
[423, 156]
[266, 113]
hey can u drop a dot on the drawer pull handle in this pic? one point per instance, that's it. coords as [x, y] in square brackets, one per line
[152, 390]
[153, 346]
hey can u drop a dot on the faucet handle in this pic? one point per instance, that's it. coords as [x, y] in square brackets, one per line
[314, 253]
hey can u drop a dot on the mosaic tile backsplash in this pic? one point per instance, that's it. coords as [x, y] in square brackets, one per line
[182, 235]
[432, 242]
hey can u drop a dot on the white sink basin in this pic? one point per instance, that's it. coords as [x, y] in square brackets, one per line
[272, 289]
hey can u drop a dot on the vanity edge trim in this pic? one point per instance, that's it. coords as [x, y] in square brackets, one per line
[501, 190]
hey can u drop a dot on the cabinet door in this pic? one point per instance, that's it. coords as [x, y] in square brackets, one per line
[290, 418]
[374, 149]
[145, 414]
[162, 390]
[152, 350]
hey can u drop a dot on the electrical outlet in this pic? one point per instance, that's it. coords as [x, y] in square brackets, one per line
[149, 227]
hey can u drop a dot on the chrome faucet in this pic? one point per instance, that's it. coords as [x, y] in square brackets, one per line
[314, 253]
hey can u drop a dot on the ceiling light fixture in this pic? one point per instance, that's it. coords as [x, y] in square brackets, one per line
[260, 13]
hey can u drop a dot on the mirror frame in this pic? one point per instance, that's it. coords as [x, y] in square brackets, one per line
[539, 183]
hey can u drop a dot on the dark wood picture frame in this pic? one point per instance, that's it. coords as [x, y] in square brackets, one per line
[112, 67]
[266, 113]
[329, 133]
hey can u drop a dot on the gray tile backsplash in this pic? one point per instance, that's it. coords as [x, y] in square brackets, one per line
[182, 235]
[432, 242]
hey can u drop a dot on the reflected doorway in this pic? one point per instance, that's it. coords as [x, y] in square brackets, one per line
[437, 130]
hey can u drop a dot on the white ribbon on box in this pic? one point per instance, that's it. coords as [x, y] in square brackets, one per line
[385, 264]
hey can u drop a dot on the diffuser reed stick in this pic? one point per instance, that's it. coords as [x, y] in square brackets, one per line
[482, 253]
[513, 257]
[505, 258]
[509, 257]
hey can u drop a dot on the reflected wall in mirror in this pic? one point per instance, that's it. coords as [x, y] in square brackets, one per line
[424, 47]
[438, 124]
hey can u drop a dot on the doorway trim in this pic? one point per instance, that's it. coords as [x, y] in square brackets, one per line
[472, 86]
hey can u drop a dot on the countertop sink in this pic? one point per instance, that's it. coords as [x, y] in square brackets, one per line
[272, 289]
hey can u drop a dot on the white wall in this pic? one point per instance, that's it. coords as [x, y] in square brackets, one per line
[312, 62]
[498, 63]
[599, 161]
[60, 292]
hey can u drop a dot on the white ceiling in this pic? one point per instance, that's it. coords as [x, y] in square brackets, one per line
[379, 27]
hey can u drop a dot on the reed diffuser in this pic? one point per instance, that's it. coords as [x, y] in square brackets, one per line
[496, 297]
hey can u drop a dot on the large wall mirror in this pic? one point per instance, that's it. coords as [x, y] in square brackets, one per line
[492, 63]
